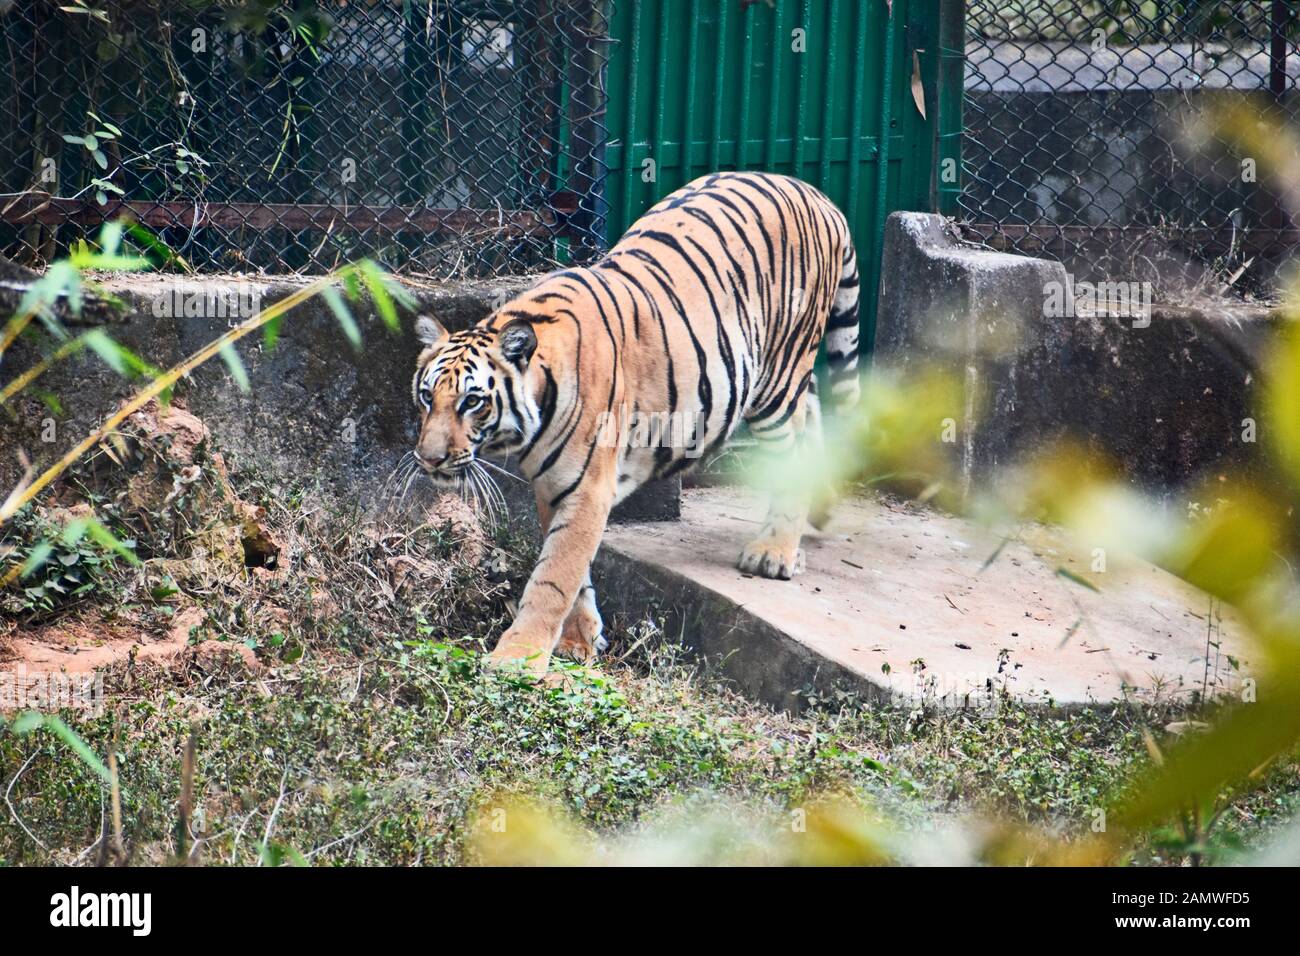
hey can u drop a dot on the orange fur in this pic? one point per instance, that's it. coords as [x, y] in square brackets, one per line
[711, 308]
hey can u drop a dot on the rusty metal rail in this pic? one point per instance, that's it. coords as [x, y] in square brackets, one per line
[50, 210]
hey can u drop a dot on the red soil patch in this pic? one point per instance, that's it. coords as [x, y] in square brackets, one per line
[80, 646]
[89, 642]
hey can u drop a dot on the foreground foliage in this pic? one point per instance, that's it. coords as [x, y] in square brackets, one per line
[385, 742]
[403, 759]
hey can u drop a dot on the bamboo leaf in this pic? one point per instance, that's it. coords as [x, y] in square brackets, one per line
[98, 341]
[30, 721]
[379, 294]
[235, 364]
[153, 243]
[106, 539]
[271, 333]
[36, 560]
[1282, 394]
[117, 356]
[343, 314]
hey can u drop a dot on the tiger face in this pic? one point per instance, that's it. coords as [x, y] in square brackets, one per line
[472, 390]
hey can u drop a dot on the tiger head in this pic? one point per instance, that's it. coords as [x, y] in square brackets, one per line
[475, 395]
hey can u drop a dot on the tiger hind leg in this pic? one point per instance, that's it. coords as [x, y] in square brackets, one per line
[775, 551]
[841, 343]
[582, 636]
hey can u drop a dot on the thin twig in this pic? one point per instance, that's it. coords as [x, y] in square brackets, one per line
[343, 839]
[270, 821]
[14, 812]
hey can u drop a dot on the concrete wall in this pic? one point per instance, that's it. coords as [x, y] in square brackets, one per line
[1166, 401]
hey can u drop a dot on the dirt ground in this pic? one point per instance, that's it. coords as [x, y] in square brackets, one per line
[162, 470]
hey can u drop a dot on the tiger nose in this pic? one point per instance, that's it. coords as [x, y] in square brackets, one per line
[430, 463]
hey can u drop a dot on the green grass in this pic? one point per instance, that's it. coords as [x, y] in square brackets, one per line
[370, 734]
[386, 759]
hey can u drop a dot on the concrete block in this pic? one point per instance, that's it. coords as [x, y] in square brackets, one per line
[1166, 398]
[897, 607]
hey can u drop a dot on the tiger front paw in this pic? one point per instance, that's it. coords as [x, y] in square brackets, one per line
[519, 649]
[769, 560]
[582, 637]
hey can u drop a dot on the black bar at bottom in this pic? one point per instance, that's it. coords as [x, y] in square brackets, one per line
[316, 905]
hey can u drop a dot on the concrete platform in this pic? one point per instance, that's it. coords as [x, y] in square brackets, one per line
[894, 606]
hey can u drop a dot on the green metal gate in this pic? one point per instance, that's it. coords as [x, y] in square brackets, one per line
[809, 88]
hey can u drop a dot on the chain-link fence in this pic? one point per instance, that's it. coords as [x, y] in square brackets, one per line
[1079, 122]
[446, 137]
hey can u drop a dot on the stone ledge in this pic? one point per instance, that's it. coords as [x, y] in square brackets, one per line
[896, 606]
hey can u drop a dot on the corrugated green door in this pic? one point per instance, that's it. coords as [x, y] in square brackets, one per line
[809, 88]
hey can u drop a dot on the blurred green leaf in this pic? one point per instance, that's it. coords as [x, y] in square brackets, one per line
[1197, 768]
[1231, 550]
[151, 242]
[78, 528]
[271, 333]
[117, 356]
[1282, 402]
[378, 288]
[30, 721]
[343, 314]
[40, 553]
[235, 364]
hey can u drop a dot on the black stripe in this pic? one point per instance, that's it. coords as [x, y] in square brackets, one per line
[555, 502]
[670, 367]
[843, 320]
[552, 585]
[609, 332]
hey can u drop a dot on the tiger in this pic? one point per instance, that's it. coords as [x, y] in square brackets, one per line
[711, 308]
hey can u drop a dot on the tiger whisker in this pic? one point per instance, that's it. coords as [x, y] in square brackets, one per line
[393, 487]
[502, 505]
[492, 488]
[399, 498]
[481, 492]
[498, 501]
[481, 505]
[465, 491]
[495, 486]
[489, 505]
[406, 489]
[498, 468]
[403, 466]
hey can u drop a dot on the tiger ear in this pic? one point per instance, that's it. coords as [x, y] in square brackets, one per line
[517, 342]
[429, 330]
